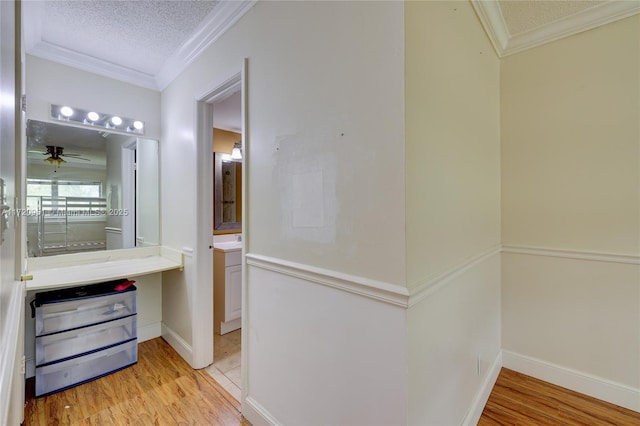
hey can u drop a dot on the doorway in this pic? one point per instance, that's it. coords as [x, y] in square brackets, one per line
[227, 241]
[222, 355]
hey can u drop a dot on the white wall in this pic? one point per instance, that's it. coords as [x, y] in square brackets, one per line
[571, 211]
[52, 83]
[325, 189]
[452, 212]
[319, 356]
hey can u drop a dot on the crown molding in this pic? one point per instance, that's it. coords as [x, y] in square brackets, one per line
[221, 18]
[505, 44]
[490, 15]
[62, 55]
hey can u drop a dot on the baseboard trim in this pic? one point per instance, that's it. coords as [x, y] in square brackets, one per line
[229, 326]
[378, 290]
[573, 254]
[178, 343]
[588, 384]
[257, 414]
[150, 331]
[477, 407]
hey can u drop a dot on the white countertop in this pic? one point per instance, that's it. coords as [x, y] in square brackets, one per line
[227, 246]
[85, 268]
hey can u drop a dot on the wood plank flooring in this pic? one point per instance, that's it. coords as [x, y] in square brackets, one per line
[518, 399]
[161, 389]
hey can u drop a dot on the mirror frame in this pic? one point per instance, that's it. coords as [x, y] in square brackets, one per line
[218, 224]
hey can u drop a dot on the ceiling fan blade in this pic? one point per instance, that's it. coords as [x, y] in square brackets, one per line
[75, 157]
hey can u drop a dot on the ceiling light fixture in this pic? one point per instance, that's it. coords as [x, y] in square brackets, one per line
[94, 119]
[236, 152]
[55, 161]
[66, 111]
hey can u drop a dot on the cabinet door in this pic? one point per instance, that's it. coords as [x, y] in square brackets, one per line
[233, 292]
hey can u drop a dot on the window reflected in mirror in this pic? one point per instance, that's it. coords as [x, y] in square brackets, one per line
[89, 190]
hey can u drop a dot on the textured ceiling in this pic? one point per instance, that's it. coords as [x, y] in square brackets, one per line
[135, 34]
[86, 143]
[522, 16]
[517, 25]
[143, 42]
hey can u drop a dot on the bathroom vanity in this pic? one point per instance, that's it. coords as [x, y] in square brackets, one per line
[227, 286]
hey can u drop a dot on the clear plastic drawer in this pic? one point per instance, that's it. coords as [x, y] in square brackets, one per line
[66, 315]
[54, 347]
[65, 374]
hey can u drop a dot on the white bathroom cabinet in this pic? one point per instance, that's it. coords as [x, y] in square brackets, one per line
[227, 290]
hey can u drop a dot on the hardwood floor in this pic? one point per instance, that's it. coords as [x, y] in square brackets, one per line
[518, 399]
[161, 389]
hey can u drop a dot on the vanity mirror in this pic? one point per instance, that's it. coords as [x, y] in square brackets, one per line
[89, 190]
[227, 193]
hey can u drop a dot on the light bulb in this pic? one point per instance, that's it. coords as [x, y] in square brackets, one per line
[66, 111]
[116, 120]
[93, 116]
[236, 154]
[138, 125]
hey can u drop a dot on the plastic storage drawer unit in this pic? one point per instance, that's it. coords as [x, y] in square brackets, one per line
[58, 346]
[84, 333]
[65, 374]
[80, 306]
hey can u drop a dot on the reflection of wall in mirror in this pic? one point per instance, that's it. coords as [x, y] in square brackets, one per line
[148, 194]
[114, 191]
[223, 141]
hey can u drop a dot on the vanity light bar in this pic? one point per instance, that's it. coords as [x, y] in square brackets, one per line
[96, 119]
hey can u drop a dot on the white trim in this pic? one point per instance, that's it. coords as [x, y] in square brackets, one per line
[10, 351]
[112, 230]
[490, 15]
[187, 251]
[178, 343]
[477, 407]
[244, 319]
[228, 326]
[221, 18]
[573, 254]
[377, 290]
[588, 384]
[62, 55]
[430, 286]
[257, 414]
[220, 91]
[584, 20]
[149, 331]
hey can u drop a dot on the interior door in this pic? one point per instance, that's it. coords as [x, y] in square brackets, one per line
[11, 288]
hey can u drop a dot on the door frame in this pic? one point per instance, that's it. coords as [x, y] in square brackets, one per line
[202, 314]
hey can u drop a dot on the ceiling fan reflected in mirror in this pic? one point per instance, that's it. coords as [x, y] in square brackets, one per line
[56, 153]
